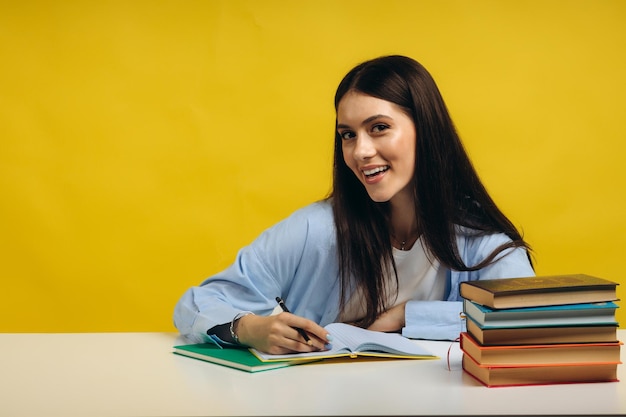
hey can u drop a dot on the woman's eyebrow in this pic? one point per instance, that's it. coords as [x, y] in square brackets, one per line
[366, 121]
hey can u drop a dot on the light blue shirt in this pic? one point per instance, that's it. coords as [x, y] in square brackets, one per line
[296, 259]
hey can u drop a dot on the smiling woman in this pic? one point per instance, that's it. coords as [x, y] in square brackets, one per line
[408, 220]
[378, 144]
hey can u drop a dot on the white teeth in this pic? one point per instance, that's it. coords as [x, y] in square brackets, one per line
[375, 170]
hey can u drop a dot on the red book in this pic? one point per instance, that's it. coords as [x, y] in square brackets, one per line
[538, 355]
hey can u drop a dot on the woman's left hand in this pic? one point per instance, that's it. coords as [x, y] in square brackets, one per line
[391, 320]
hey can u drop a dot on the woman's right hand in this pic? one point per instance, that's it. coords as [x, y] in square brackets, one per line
[278, 335]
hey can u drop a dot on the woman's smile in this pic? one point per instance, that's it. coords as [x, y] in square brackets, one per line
[374, 175]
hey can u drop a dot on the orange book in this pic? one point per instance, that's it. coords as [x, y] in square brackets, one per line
[549, 354]
[501, 376]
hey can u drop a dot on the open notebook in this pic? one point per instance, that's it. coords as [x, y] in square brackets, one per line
[354, 341]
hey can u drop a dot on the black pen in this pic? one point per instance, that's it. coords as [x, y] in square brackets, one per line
[282, 305]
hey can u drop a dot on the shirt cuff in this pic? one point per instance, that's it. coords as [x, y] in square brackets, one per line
[434, 320]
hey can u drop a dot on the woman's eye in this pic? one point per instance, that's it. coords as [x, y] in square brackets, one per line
[379, 128]
[346, 135]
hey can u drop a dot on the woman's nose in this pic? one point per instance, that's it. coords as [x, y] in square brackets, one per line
[364, 148]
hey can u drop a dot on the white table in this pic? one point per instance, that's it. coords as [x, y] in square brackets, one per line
[135, 374]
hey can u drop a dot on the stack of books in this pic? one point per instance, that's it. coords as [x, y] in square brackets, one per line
[540, 330]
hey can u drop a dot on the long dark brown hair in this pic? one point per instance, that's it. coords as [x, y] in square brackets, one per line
[448, 192]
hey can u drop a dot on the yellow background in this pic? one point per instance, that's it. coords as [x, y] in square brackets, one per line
[143, 142]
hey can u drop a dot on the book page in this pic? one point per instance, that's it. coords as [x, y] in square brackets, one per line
[352, 339]
[363, 340]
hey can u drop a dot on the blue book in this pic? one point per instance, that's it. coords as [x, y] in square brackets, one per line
[559, 315]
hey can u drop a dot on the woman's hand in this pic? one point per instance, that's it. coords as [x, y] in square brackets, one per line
[278, 335]
[391, 320]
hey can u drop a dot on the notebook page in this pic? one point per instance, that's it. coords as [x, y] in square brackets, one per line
[336, 348]
[361, 340]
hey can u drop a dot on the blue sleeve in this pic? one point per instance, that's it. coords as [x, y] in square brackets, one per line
[259, 273]
[442, 320]
[294, 259]
[433, 320]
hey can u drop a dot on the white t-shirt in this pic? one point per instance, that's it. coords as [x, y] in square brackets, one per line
[418, 279]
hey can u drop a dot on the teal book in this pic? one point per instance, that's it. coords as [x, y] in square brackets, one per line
[237, 358]
[557, 315]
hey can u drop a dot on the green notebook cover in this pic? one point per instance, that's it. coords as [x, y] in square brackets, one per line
[237, 358]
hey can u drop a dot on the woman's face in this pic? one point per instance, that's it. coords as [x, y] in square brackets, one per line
[378, 142]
